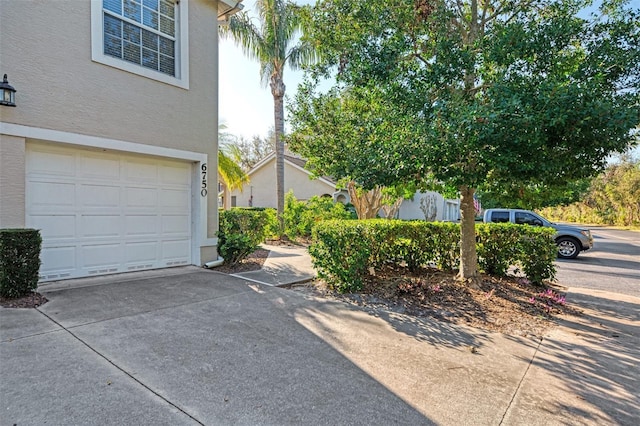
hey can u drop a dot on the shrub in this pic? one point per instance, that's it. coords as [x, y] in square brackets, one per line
[497, 246]
[19, 261]
[343, 252]
[271, 227]
[501, 245]
[340, 253]
[241, 231]
[301, 216]
[537, 252]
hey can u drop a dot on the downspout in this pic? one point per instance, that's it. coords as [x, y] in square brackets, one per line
[214, 263]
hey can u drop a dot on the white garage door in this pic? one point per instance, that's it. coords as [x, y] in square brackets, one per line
[102, 213]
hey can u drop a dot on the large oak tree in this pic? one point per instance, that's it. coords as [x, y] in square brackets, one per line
[472, 93]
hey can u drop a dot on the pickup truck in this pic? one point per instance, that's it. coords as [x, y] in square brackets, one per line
[571, 240]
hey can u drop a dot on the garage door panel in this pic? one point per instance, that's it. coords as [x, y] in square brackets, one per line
[51, 163]
[141, 171]
[100, 226]
[142, 253]
[141, 198]
[175, 174]
[140, 225]
[58, 260]
[105, 213]
[52, 196]
[54, 227]
[173, 251]
[101, 255]
[99, 196]
[172, 225]
[102, 167]
[173, 199]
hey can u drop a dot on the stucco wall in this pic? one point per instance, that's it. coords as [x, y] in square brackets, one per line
[12, 163]
[263, 186]
[411, 209]
[45, 49]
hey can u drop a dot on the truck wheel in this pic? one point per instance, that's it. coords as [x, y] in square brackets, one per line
[568, 248]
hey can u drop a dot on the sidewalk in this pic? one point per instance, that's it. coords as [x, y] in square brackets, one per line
[285, 265]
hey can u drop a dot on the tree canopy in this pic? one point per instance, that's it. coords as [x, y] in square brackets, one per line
[473, 93]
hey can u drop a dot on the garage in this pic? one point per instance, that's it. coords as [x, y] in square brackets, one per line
[103, 212]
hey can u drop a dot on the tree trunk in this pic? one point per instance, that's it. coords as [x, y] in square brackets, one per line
[391, 210]
[226, 197]
[278, 90]
[367, 204]
[468, 255]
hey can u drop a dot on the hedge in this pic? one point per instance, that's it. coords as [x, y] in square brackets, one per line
[19, 261]
[241, 231]
[343, 252]
[301, 216]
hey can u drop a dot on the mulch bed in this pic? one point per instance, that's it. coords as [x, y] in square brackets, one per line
[253, 262]
[32, 300]
[508, 305]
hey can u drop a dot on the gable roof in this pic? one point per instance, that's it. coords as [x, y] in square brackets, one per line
[296, 162]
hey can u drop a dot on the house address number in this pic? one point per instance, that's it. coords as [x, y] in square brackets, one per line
[203, 186]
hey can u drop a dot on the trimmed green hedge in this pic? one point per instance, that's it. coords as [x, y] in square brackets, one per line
[19, 261]
[344, 251]
[241, 231]
[301, 216]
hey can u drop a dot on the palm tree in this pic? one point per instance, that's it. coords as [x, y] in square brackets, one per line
[272, 44]
[230, 173]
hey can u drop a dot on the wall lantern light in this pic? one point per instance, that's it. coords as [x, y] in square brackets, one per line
[7, 93]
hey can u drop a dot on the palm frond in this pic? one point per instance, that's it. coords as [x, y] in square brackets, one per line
[245, 34]
[301, 54]
[230, 172]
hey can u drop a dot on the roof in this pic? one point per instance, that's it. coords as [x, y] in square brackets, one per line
[226, 8]
[294, 161]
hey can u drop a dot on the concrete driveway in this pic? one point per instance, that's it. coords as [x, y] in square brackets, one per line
[199, 347]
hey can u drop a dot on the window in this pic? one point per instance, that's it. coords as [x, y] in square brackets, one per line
[500, 217]
[145, 37]
[527, 219]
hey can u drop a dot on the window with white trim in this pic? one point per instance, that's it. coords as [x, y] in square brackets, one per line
[146, 37]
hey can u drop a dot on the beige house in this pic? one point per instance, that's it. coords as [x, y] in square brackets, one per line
[111, 143]
[261, 190]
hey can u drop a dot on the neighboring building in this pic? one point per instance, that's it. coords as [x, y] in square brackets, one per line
[111, 150]
[430, 205]
[261, 190]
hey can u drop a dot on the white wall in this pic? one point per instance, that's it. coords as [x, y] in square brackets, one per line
[447, 210]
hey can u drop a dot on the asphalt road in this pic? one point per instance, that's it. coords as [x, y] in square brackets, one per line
[612, 265]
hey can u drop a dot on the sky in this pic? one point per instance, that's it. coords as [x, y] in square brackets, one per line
[245, 107]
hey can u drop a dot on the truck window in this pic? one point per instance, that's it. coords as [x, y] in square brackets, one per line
[499, 217]
[523, 218]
